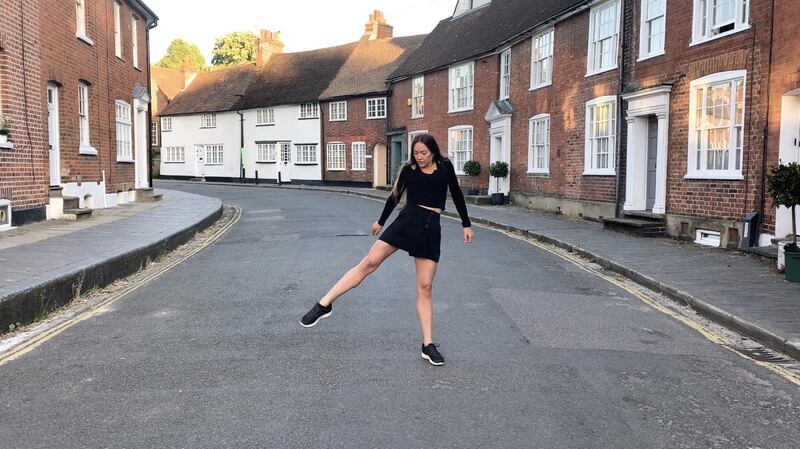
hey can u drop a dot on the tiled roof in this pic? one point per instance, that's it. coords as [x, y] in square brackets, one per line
[214, 91]
[479, 32]
[168, 81]
[369, 64]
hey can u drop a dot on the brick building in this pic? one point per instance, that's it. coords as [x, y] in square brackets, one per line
[95, 99]
[354, 107]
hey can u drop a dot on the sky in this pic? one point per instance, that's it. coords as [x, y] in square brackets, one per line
[304, 24]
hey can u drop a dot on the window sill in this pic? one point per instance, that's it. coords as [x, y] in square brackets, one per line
[137, 68]
[336, 169]
[306, 163]
[166, 130]
[338, 120]
[87, 150]
[85, 39]
[266, 162]
[213, 165]
[718, 36]
[308, 118]
[540, 86]
[600, 173]
[120, 58]
[6, 146]
[376, 118]
[358, 169]
[125, 160]
[174, 162]
[539, 173]
[414, 117]
[264, 124]
[597, 72]
[207, 127]
[453, 111]
[714, 176]
[651, 56]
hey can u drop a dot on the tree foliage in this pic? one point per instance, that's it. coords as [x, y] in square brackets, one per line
[182, 55]
[234, 49]
[783, 183]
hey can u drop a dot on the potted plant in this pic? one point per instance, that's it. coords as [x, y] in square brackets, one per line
[783, 184]
[4, 131]
[472, 169]
[498, 169]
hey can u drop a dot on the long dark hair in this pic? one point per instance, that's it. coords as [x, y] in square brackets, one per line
[432, 145]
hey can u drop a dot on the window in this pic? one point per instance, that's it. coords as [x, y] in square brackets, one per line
[267, 152]
[358, 152]
[166, 124]
[80, 18]
[600, 136]
[461, 87]
[135, 41]
[208, 121]
[716, 126]
[603, 32]
[376, 108]
[714, 18]
[309, 110]
[338, 111]
[213, 154]
[465, 6]
[307, 153]
[542, 59]
[336, 156]
[117, 31]
[418, 97]
[83, 119]
[651, 40]
[174, 155]
[505, 73]
[123, 118]
[539, 144]
[265, 117]
[460, 146]
[154, 133]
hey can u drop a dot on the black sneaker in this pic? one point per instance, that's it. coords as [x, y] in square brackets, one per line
[316, 313]
[431, 354]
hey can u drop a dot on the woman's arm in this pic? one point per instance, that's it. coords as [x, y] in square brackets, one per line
[457, 195]
[394, 196]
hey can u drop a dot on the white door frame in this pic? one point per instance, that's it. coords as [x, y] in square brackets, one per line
[54, 137]
[641, 105]
[789, 151]
[140, 153]
[500, 150]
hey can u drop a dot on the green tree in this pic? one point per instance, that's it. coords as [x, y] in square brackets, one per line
[182, 54]
[235, 48]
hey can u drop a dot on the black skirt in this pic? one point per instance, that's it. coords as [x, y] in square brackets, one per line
[417, 231]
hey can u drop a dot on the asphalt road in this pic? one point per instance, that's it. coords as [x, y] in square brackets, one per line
[540, 354]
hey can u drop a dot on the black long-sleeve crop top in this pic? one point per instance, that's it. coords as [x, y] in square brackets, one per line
[428, 190]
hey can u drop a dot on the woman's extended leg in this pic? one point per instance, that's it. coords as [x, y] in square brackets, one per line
[377, 254]
[426, 270]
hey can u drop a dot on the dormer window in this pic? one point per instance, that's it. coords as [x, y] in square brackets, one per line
[465, 6]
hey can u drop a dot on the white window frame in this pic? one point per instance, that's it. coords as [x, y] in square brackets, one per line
[358, 156]
[418, 97]
[208, 121]
[267, 152]
[117, 30]
[468, 88]
[154, 137]
[703, 30]
[374, 108]
[453, 152]
[309, 110]
[645, 34]
[135, 41]
[337, 111]
[80, 21]
[534, 124]
[166, 124]
[537, 60]
[707, 238]
[505, 74]
[214, 154]
[265, 116]
[124, 131]
[174, 154]
[84, 130]
[592, 140]
[732, 173]
[336, 158]
[306, 153]
[594, 30]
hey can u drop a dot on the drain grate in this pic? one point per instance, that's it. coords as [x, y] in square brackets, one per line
[764, 355]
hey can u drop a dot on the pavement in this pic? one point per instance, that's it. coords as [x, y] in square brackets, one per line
[741, 291]
[45, 265]
[48, 264]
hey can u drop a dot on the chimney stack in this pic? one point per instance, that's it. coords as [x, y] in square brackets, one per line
[377, 28]
[268, 44]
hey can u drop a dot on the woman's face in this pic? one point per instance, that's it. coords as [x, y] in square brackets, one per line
[422, 155]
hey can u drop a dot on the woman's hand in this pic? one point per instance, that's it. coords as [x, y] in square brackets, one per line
[468, 235]
[376, 228]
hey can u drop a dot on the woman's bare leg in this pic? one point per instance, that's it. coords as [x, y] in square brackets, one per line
[377, 254]
[426, 270]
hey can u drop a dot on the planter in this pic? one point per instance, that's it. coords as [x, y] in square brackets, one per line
[497, 199]
[792, 273]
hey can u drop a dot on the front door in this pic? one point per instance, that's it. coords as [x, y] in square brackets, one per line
[397, 157]
[789, 152]
[652, 158]
[53, 136]
[497, 154]
[200, 163]
[285, 164]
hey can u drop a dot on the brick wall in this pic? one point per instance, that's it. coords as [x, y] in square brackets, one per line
[68, 60]
[24, 169]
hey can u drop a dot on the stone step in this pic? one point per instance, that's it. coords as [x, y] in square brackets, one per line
[77, 213]
[644, 214]
[71, 202]
[147, 195]
[635, 226]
